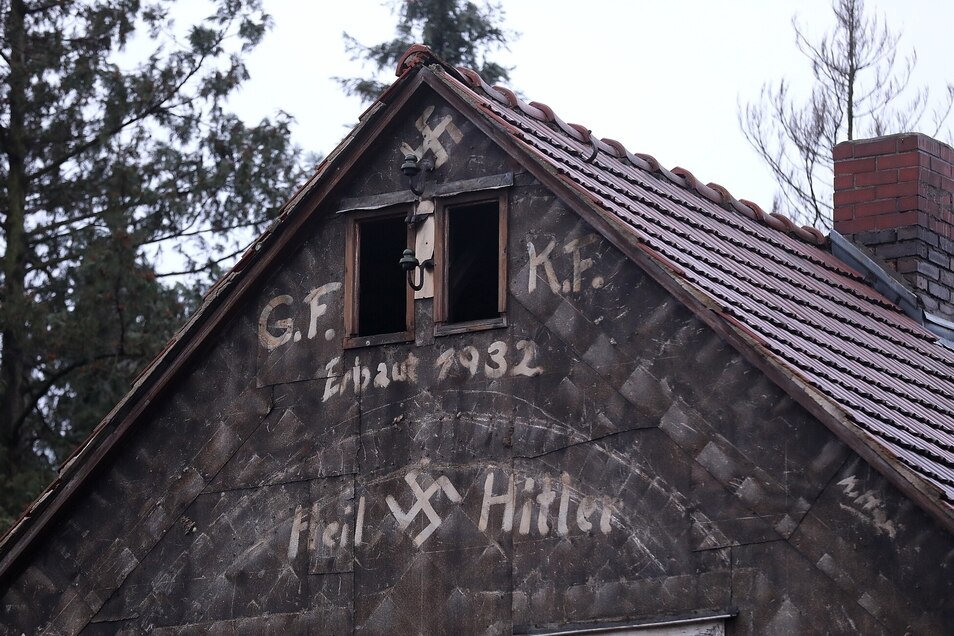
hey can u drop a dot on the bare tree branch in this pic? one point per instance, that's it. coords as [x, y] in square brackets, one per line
[862, 88]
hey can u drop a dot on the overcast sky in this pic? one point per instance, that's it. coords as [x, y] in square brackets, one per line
[663, 77]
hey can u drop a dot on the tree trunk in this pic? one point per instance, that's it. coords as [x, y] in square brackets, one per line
[14, 260]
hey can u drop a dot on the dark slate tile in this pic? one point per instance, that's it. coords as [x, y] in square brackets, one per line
[304, 437]
[298, 314]
[779, 591]
[876, 545]
[418, 559]
[231, 556]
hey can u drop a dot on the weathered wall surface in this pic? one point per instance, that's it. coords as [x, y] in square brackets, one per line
[604, 457]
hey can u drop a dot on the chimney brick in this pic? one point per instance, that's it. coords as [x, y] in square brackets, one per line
[895, 196]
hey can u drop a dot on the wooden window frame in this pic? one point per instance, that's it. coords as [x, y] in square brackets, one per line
[351, 338]
[441, 326]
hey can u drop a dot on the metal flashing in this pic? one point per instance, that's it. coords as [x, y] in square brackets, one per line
[883, 281]
[892, 288]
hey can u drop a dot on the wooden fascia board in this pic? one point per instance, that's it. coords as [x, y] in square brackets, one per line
[298, 212]
[622, 237]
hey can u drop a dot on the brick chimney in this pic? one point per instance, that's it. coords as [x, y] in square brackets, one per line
[895, 196]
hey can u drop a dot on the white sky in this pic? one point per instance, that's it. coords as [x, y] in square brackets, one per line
[663, 77]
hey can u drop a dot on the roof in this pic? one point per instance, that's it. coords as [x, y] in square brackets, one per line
[879, 380]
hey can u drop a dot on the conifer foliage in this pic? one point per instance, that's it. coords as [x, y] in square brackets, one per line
[461, 33]
[117, 178]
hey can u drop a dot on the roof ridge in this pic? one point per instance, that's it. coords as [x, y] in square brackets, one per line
[679, 176]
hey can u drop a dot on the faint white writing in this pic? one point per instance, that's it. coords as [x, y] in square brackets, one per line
[867, 506]
[580, 264]
[422, 503]
[431, 137]
[360, 376]
[508, 503]
[496, 364]
[326, 536]
[273, 333]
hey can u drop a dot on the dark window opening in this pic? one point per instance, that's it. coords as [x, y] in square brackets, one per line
[473, 262]
[382, 290]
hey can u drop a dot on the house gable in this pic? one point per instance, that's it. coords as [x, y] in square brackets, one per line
[605, 457]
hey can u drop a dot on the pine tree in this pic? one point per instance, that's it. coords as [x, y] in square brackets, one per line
[116, 179]
[461, 33]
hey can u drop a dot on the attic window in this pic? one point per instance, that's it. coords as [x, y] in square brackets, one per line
[380, 302]
[471, 285]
